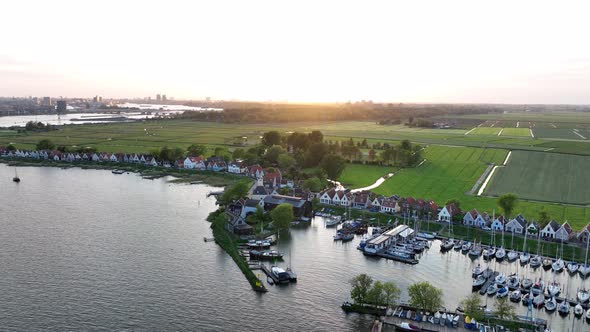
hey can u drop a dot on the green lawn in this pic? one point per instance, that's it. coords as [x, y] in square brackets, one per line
[485, 131]
[519, 132]
[359, 176]
[544, 176]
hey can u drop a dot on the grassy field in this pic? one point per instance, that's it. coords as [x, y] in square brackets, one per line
[358, 176]
[519, 132]
[485, 131]
[544, 176]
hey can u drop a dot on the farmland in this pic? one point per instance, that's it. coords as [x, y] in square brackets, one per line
[545, 177]
[358, 176]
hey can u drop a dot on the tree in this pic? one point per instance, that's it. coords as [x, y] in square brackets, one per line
[285, 161]
[454, 201]
[372, 155]
[333, 165]
[314, 154]
[507, 203]
[504, 309]
[238, 153]
[257, 216]
[235, 192]
[61, 148]
[271, 138]
[272, 154]
[45, 144]
[282, 216]
[391, 294]
[544, 217]
[375, 294]
[406, 145]
[316, 136]
[11, 147]
[425, 296]
[472, 306]
[313, 184]
[196, 150]
[360, 287]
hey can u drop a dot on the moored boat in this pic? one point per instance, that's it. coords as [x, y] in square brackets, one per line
[512, 255]
[500, 254]
[563, 308]
[280, 274]
[475, 251]
[526, 283]
[547, 262]
[558, 265]
[583, 295]
[572, 267]
[466, 247]
[515, 296]
[502, 292]
[513, 281]
[524, 258]
[551, 305]
[447, 245]
[535, 262]
[553, 289]
[406, 327]
[478, 282]
[588, 316]
[584, 270]
[489, 253]
[539, 301]
[338, 236]
[492, 289]
[500, 279]
[538, 287]
[476, 271]
[347, 237]
[578, 310]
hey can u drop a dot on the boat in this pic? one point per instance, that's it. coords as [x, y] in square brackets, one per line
[535, 262]
[117, 171]
[259, 243]
[515, 296]
[492, 289]
[553, 289]
[500, 254]
[347, 237]
[502, 292]
[500, 279]
[333, 221]
[563, 308]
[443, 318]
[292, 275]
[538, 287]
[458, 245]
[588, 316]
[547, 263]
[476, 271]
[583, 295]
[280, 274]
[526, 299]
[426, 236]
[572, 267]
[489, 253]
[406, 327]
[15, 178]
[479, 282]
[513, 281]
[539, 301]
[584, 270]
[551, 305]
[512, 255]
[466, 247]
[558, 265]
[338, 236]
[447, 245]
[524, 258]
[578, 310]
[369, 250]
[436, 317]
[265, 254]
[475, 251]
[526, 283]
[270, 281]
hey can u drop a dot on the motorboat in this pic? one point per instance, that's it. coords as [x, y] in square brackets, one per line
[524, 258]
[539, 301]
[513, 281]
[492, 289]
[370, 250]
[479, 282]
[436, 317]
[425, 235]
[347, 237]
[406, 327]
[447, 245]
[333, 221]
[259, 243]
[280, 274]
[578, 310]
[538, 287]
[558, 265]
[338, 236]
[265, 254]
[466, 247]
[572, 267]
[526, 283]
[535, 262]
[553, 288]
[512, 255]
[583, 295]
[500, 279]
[476, 271]
[502, 292]
[515, 296]
[563, 308]
[547, 263]
[551, 305]
[500, 254]
[489, 253]
[443, 319]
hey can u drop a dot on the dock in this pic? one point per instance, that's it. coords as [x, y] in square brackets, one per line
[411, 261]
[269, 274]
[491, 279]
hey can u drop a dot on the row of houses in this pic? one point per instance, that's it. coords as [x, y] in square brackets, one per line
[378, 203]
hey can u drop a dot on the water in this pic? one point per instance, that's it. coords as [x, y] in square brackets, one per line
[86, 249]
[168, 107]
[54, 119]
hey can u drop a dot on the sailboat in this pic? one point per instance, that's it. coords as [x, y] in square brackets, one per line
[15, 178]
[512, 254]
[489, 252]
[584, 270]
[558, 265]
[501, 253]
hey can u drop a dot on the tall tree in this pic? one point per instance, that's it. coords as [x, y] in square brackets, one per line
[316, 136]
[285, 161]
[45, 144]
[314, 154]
[425, 296]
[333, 165]
[544, 217]
[272, 154]
[238, 153]
[282, 216]
[507, 203]
[391, 294]
[196, 149]
[472, 306]
[360, 287]
[271, 138]
[372, 155]
[375, 294]
[312, 184]
[504, 309]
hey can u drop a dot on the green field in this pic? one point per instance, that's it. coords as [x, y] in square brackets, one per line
[485, 131]
[520, 132]
[359, 176]
[544, 176]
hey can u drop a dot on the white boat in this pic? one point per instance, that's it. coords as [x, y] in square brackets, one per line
[526, 283]
[558, 265]
[551, 304]
[502, 292]
[588, 315]
[500, 254]
[524, 258]
[338, 236]
[492, 289]
[578, 310]
[479, 281]
[500, 279]
[489, 253]
[447, 244]
[466, 247]
[280, 274]
[513, 281]
[538, 287]
[512, 255]
[572, 267]
[584, 270]
[563, 308]
[553, 288]
[443, 318]
[475, 251]
[535, 262]
[515, 296]
[331, 222]
[436, 317]
[477, 270]
[583, 295]
[539, 301]
[425, 235]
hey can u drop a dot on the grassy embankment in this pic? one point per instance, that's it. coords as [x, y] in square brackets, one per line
[229, 243]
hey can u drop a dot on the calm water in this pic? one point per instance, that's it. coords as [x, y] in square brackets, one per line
[53, 119]
[89, 250]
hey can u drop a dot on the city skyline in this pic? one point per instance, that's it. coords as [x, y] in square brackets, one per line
[428, 52]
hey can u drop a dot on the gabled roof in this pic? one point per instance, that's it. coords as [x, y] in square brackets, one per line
[501, 219]
[566, 226]
[473, 213]
[554, 225]
[251, 203]
[389, 202]
[452, 208]
[259, 190]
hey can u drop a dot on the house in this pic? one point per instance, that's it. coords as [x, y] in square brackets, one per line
[448, 212]
[361, 199]
[151, 161]
[95, 157]
[498, 224]
[532, 228]
[550, 229]
[327, 196]
[194, 162]
[216, 166]
[234, 167]
[259, 192]
[250, 206]
[389, 205]
[255, 171]
[470, 217]
[301, 207]
[584, 235]
[564, 233]
[377, 202]
[179, 163]
[235, 223]
[482, 220]
[516, 225]
[272, 178]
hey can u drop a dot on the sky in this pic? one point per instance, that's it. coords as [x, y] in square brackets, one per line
[527, 52]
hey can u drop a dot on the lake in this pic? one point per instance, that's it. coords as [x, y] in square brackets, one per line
[90, 250]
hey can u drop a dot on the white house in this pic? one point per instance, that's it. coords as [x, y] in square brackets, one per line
[470, 217]
[550, 230]
[234, 168]
[151, 161]
[516, 225]
[250, 207]
[564, 233]
[447, 213]
[326, 197]
[95, 157]
[194, 162]
[389, 205]
[499, 223]
[584, 235]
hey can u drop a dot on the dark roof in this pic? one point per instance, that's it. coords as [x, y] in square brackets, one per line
[259, 190]
[251, 203]
[280, 199]
[554, 225]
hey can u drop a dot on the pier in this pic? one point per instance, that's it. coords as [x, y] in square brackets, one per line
[411, 261]
[491, 279]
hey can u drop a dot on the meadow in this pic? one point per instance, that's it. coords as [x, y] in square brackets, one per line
[544, 176]
[359, 176]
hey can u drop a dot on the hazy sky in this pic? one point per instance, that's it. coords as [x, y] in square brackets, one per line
[410, 51]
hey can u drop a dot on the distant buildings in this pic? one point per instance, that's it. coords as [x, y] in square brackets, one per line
[46, 101]
[61, 106]
[158, 97]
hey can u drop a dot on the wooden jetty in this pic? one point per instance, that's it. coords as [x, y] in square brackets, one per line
[397, 258]
[269, 274]
[491, 279]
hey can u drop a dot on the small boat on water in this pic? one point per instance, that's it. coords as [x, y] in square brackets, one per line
[526, 299]
[513, 281]
[538, 287]
[553, 289]
[515, 296]
[572, 267]
[551, 305]
[526, 283]
[280, 274]
[512, 255]
[265, 254]
[578, 310]
[259, 243]
[270, 281]
[547, 262]
[563, 308]
[347, 237]
[583, 295]
[458, 245]
[489, 253]
[500, 279]
[338, 236]
[117, 171]
[15, 178]
[584, 270]
[502, 292]
[406, 327]
[476, 271]
[466, 247]
[492, 289]
[426, 236]
[539, 301]
[524, 258]
[475, 251]
[588, 316]
[447, 244]
[500, 254]
[558, 265]
[535, 262]
[479, 282]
